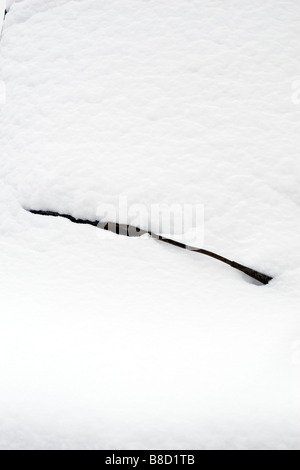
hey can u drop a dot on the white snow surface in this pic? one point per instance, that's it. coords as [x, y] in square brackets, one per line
[112, 343]
[2, 12]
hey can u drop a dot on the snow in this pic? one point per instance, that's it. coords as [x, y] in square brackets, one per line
[2, 12]
[120, 343]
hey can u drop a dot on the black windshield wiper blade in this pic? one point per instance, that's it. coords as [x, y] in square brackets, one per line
[131, 231]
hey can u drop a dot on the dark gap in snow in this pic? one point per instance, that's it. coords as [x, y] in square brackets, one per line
[119, 229]
[131, 231]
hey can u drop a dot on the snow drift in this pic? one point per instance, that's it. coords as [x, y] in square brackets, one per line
[109, 343]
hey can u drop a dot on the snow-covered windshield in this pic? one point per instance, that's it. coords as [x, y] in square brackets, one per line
[138, 112]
